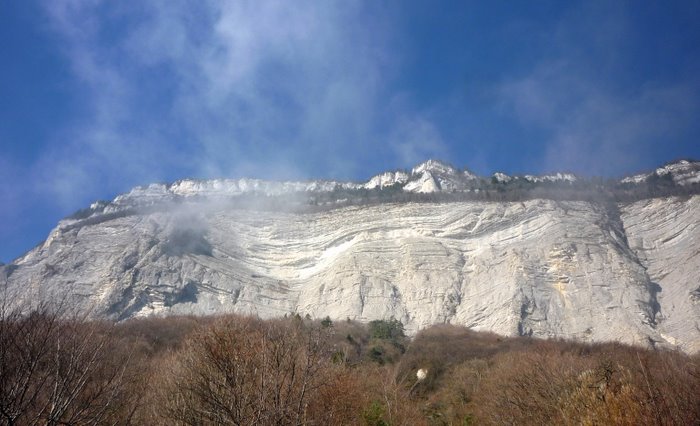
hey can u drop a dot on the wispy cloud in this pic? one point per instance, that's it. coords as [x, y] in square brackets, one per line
[170, 89]
[593, 126]
[161, 90]
[592, 130]
[273, 89]
[416, 139]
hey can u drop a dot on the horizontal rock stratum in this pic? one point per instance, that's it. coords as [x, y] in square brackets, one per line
[585, 270]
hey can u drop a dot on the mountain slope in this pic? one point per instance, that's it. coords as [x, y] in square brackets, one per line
[540, 267]
[665, 235]
[594, 271]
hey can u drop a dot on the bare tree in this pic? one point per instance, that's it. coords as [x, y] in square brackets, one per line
[56, 369]
[245, 371]
[25, 352]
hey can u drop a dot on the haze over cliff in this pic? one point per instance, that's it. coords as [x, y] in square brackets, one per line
[548, 256]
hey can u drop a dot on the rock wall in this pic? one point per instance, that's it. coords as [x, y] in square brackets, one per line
[665, 235]
[543, 268]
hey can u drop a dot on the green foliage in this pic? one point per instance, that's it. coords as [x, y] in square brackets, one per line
[468, 420]
[374, 415]
[376, 354]
[391, 329]
[81, 214]
[388, 341]
[326, 322]
[338, 357]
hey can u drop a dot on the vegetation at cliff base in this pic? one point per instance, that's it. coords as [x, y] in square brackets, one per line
[60, 369]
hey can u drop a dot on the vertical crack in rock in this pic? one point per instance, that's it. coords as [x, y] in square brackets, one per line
[656, 315]
[395, 298]
[664, 233]
[362, 293]
[454, 297]
[616, 228]
[527, 307]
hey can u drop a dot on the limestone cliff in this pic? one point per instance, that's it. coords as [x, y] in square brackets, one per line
[592, 271]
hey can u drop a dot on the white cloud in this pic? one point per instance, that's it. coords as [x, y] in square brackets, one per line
[274, 89]
[594, 122]
[593, 130]
[416, 139]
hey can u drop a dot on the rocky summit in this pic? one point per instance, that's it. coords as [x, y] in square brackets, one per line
[516, 255]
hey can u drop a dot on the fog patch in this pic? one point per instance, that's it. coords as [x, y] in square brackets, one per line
[187, 235]
[187, 241]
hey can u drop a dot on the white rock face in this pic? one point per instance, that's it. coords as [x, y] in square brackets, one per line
[542, 268]
[387, 179]
[580, 270]
[435, 176]
[665, 235]
[425, 184]
[429, 177]
[557, 177]
[225, 188]
[435, 167]
[502, 177]
[682, 172]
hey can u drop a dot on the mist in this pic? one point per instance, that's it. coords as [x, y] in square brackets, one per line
[169, 90]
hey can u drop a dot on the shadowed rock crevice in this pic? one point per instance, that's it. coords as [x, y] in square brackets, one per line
[656, 314]
[128, 304]
[8, 270]
[187, 241]
[186, 294]
[695, 295]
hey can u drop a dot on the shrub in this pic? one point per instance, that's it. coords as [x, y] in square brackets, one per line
[60, 369]
[246, 371]
[386, 329]
[554, 383]
[326, 322]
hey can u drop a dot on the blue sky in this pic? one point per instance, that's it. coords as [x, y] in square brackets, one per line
[97, 97]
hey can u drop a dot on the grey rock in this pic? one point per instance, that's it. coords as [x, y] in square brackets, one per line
[665, 235]
[540, 268]
[577, 270]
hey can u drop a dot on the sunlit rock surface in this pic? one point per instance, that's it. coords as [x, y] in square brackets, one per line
[542, 268]
[665, 235]
[582, 270]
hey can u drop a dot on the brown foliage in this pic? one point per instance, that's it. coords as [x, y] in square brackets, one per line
[440, 348]
[605, 384]
[246, 371]
[57, 369]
